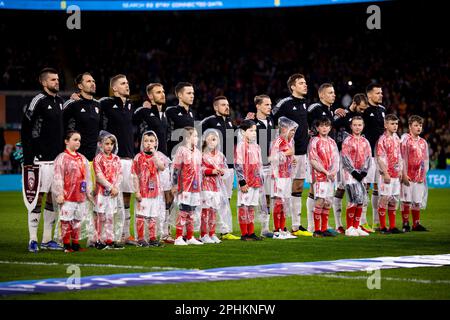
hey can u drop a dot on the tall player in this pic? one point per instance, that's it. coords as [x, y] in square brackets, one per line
[294, 108]
[116, 118]
[374, 128]
[42, 139]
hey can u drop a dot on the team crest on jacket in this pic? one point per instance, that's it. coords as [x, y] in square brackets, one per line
[97, 110]
[129, 106]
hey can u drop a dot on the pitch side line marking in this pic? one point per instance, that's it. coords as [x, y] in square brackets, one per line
[92, 265]
[422, 281]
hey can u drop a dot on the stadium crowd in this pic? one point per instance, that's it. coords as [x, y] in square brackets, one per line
[241, 55]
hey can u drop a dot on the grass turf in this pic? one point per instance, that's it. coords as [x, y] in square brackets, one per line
[14, 237]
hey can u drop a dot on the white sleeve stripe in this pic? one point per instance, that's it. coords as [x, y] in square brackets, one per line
[66, 104]
[312, 107]
[35, 101]
[138, 109]
[278, 105]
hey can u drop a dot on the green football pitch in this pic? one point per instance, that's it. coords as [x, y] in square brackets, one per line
[415, 283]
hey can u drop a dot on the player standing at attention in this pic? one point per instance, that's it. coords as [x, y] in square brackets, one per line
[294, 108]
[373, 129]
[324, 158]
[186, 181]
[214, 196]
[389, 160]
[415, 167]
[248, 165]
[149, 196]
[282, 165]
[42, 138]
[108, 177]
[355, 156]
[72, 186]
[116, 117]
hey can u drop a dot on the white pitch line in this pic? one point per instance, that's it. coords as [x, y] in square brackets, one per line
[385, 278]
[91, 265]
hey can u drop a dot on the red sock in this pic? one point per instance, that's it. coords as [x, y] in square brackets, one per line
[76, 225]
[212, 222]
[189, 226]
[277, 212]
[98, 226]
[325, 213]
[204, 222]
[181, 221]
[140, 224]
[242, 212]
[152, 229]
[391, 214]
[357, 219]
[317, 215]
[382, 215]
[416, 216]
[282, 221]
[66, 231]
[350, 216]
[405, 213]
[251, 228]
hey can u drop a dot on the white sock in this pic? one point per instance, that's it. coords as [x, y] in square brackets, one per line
[126, 223]
[296, 203]
[49, 223]
[310, 209]
[363, 215]
[265, 222]
[165, 224]
[33, 224]
[337, 210]
[375, 217]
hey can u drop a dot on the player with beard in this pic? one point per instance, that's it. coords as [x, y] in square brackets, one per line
[374, 128]
[42, 137]
[83, 115]
[222, 122]
[151, 117]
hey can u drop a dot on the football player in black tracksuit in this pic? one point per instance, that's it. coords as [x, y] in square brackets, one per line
[42, 136]
[116, 117]
[83, 115]
[266, 130]
[294, 108]
[180, 116]
[221, 121]
[373, 129]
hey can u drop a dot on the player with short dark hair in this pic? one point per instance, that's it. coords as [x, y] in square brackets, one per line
[83, 115]
[42, 137]
[294, 108]
[182, 115]
[374, 128]
[116, 117]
